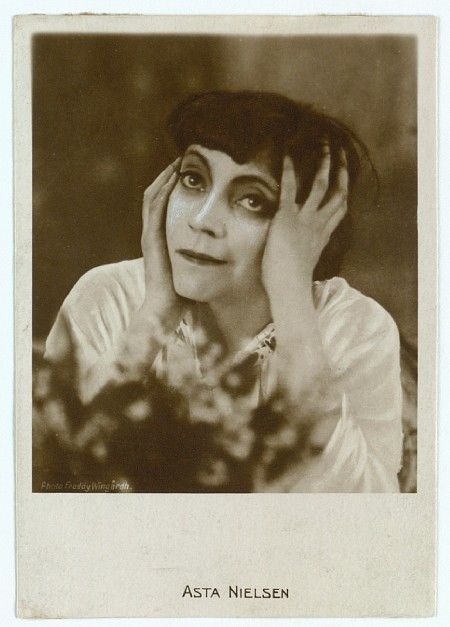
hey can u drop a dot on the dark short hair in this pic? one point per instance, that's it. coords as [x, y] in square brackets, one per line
[246, 124]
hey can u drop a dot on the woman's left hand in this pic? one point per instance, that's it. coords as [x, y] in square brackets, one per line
[298, 234]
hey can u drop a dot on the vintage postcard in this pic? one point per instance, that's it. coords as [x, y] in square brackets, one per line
[225, 316]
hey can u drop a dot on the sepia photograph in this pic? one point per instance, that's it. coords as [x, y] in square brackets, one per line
[224, 263]
[225, 315]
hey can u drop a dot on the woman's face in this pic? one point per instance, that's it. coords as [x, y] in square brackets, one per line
[218, 217]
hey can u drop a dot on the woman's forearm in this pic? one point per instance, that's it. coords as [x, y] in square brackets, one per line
[304, 371]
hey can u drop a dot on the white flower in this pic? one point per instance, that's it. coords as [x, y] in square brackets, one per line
[55, 415]
[200, 338]
[41, 384]
[284, 438]
[278, 405]
[86, 434]
[99, 450]
[138, 410]
[239, 443]
[215, 474]
[233, 380]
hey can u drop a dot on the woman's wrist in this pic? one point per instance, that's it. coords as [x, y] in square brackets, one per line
[159, 314]
[303, 365]
[295, 317]
[290, 284]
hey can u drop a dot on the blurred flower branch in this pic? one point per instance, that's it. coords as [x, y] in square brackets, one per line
[186, 434]
[177, 433]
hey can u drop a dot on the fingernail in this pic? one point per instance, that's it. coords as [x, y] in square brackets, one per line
[326, 148]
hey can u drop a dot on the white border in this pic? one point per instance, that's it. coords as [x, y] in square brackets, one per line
[8, 9]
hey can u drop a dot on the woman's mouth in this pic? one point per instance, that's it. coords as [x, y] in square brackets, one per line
[198, 258]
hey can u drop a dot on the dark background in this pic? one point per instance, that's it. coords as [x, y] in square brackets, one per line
[99, 108]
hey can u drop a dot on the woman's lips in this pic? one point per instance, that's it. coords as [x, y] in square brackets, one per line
[200, 258]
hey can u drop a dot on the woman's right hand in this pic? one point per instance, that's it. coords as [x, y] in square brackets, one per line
[161, 300]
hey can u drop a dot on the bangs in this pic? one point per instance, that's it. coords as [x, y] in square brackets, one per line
[248, 124]
[241, 124]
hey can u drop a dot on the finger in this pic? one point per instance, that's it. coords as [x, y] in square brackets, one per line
[342, 177]
[342, 173]
[161, 179]
[335, 220]
[321, 182]
[153, 205]
[153, 208]
[340, 193]
[288, 192]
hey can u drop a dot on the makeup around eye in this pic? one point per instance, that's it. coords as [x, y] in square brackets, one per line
[255, 198]
[256, 203]
[190, 179]
[252, 201]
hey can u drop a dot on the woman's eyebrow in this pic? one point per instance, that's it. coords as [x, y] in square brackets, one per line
[195, 153]
[254, 178]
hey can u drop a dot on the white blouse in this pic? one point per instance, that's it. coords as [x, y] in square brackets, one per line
[360, 339]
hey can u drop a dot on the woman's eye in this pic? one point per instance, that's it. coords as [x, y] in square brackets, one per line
[253, 202]
[192, 180]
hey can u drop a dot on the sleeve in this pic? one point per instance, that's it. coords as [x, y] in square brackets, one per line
[364, 452]
[90, 323]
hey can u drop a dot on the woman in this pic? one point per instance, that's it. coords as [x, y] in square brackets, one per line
[234, 232]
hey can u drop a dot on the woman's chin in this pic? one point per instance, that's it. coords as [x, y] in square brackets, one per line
[193, 291]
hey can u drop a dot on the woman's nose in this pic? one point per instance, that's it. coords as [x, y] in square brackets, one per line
[209, 217]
